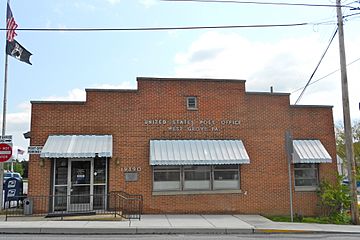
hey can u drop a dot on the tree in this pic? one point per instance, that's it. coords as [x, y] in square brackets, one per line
[335, 200]
[18, 167]
[340, 143]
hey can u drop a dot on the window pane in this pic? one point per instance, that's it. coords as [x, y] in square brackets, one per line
[99, 197]
[100, 170]
[306, 175]
[191, 102]
[305, 182]
[197, 185]
[166, 168]
[80, 194]
[60, 198]
[166, 185]
[61, 168]
[226, 167]
[166, 176]
[226, 175]
[197, 177]
[196, 168]
[227, 184]
[305, 165]
[197, 172]
[80, 172]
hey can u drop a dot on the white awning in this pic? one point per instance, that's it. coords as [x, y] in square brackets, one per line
[77, 146]
[310, 151]
[197, 152]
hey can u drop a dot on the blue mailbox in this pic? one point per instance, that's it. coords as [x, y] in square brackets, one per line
[13, 189]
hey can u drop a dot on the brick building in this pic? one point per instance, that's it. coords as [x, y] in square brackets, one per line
[186, 145]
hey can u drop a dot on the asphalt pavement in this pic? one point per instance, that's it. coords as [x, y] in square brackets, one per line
[170, 224]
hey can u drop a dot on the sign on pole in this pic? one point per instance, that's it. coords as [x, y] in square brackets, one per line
[6, 139]
[5, 151]
[35, 149]
[5, 148]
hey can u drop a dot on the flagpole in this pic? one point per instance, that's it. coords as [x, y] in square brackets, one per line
[4, 123]
[3, 129]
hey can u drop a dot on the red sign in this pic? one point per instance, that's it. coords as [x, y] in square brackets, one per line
[5, 152]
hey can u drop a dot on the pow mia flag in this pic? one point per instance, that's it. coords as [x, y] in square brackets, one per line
[14, 49]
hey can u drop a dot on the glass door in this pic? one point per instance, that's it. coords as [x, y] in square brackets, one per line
[80, 188]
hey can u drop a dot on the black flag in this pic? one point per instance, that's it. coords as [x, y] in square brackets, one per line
[17, 51]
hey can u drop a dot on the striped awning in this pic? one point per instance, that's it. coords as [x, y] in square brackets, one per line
[197, 152]
[77, 146]
[310, 151]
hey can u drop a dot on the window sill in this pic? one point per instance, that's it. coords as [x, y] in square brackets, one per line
[161, 193]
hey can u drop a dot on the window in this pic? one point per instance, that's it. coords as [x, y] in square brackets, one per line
[191, 103]
[226, 177]
[306, 176]
[166, 178]
[196, 178]
[100, 178]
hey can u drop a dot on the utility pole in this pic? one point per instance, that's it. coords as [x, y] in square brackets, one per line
[289, 152]
[349, 148]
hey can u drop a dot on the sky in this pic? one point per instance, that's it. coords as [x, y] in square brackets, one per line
[64, 63]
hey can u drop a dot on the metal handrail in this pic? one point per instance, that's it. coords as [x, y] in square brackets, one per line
[133, 211]
[117, 203]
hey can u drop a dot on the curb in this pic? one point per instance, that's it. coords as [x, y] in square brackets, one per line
[294, 231]
[123, 231]
[161, 231]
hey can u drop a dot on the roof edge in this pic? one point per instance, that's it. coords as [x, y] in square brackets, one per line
[110, 90]
[59, 102]
[311, 106]
[268, 93]
[190, 79]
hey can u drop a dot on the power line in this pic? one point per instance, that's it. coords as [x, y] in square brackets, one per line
[158, 28]
[262, 3]
[316, 68]
[327, 75]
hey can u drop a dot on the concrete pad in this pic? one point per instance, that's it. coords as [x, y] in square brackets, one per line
[64, 224]
[151, 221]
[21, 227]
[254, 219]
[85, 231]
[181, 231]
[189, 221]
[338, 228]
[226, 221]
[17, 224]
[107, 224]
[20, 230]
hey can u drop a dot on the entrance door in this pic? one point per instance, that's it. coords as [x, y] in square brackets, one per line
[80, 190]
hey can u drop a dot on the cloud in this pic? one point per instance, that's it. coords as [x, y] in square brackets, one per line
[113, 2]
[148, 3]
[286, 65]
[84, 6]
[123, 85]
[75, 94]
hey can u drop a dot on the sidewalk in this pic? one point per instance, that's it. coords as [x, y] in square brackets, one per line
[172, 224]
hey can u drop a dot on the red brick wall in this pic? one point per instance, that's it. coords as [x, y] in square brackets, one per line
[264, 118]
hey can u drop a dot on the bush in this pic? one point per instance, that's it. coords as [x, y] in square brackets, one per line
[335, 200]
